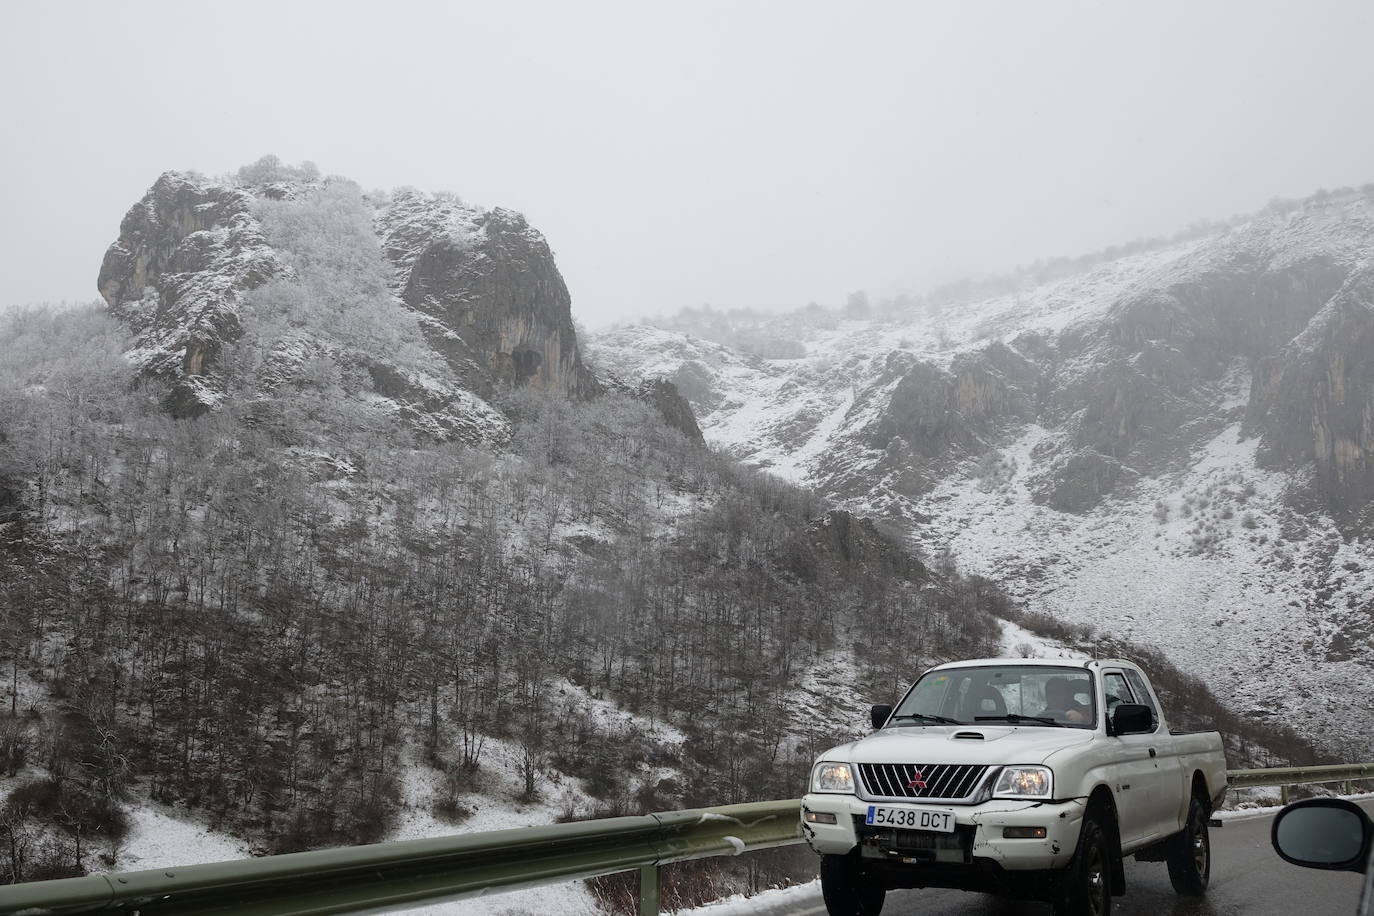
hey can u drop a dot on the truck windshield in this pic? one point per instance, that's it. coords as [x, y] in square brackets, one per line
[1031, 695]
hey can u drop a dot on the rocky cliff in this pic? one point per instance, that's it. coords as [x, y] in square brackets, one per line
[186, 254]
[491, 297]
[1173, 445]
[1313, 401]
[256, 264]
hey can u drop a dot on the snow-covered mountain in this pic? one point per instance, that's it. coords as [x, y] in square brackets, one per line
[1175, 446]
[394, 563]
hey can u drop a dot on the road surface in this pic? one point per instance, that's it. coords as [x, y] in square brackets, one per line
[1248, 879]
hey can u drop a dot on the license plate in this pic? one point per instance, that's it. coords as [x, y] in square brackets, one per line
[911, 818]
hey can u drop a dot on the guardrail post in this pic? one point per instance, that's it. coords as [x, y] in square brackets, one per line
[1349, 787]
[1283, 794]
[650, 891]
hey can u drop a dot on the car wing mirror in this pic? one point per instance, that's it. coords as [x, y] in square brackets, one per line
[1132, 719]
[879, 714]
[1329, 833]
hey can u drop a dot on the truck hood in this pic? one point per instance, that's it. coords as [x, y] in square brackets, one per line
[937, 744]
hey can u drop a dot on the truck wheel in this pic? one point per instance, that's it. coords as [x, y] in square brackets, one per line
[847, 890]
[1087, 882]
[1189, 853]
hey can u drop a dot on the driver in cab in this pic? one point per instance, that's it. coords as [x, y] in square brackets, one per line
[1060, 703]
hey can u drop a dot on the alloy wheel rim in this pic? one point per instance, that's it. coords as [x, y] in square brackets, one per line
[1200, 851]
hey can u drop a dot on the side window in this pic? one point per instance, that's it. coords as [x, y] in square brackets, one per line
[1142, 693]
[1114, 685]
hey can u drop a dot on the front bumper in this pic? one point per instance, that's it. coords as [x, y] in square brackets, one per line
[977, 837]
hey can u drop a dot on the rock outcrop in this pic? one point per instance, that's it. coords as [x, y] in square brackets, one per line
[186, 254]
[662, 395]
[1075, 481]
[858, 543]
[481, 284]
[1139, 387]
[937, 416]
[1313, 402]
[491, 295]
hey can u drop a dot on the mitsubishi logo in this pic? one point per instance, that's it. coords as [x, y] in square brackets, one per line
[918, 782]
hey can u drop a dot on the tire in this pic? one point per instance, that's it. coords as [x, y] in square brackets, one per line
[847, 890]
[1086, 886]
[1189, 853]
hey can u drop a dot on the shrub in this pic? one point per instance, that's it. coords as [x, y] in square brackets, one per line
[67, 804]
[448, 806]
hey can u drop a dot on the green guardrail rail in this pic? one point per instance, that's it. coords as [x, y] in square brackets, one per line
[391, 876]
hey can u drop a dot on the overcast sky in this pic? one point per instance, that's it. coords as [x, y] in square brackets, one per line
[738, 154]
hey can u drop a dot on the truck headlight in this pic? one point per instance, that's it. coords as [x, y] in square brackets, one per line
[1024, 782]
[832, 777]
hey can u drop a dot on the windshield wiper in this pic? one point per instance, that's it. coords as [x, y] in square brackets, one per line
[921, 715]
[1014, 718]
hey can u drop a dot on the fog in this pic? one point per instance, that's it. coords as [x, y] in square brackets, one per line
[761, 155]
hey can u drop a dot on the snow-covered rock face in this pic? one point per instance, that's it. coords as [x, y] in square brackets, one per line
[491, 297]
[1174, 446]
[1314, 402]
[195, 265]
[185, 255]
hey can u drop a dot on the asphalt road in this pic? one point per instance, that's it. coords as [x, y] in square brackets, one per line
[1248, 879]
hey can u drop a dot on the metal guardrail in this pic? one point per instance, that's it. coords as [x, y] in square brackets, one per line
[1283, 777]
[389, 876]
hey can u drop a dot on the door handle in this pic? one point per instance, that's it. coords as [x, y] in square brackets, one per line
[1153, 753]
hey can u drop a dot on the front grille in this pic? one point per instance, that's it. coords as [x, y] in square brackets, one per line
[904, 780]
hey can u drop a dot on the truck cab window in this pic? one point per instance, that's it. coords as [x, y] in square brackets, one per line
[1142, 695]
[1117, 691]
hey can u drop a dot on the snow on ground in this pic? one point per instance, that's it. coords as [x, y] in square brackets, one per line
[1250, 809]
[1018, 642]
[495, 803]
[608, 717]
[739, 905]
[1206, 564]
[826, 706]
[163, 837]
[495, 807]
[1195, 563]
[1061, 304]
[796, 464]
[783, 414]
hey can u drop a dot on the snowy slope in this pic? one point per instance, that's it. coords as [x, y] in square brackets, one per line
[1186, 539]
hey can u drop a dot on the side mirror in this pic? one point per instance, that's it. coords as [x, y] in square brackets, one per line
[1132, 719]
[1326, 833]
[880, 714]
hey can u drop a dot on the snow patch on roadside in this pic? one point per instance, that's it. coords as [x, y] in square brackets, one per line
[740, 905]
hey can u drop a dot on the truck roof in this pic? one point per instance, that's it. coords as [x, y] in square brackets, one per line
[1043, 662]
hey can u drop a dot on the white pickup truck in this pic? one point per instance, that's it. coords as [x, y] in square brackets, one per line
[1028, 778]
